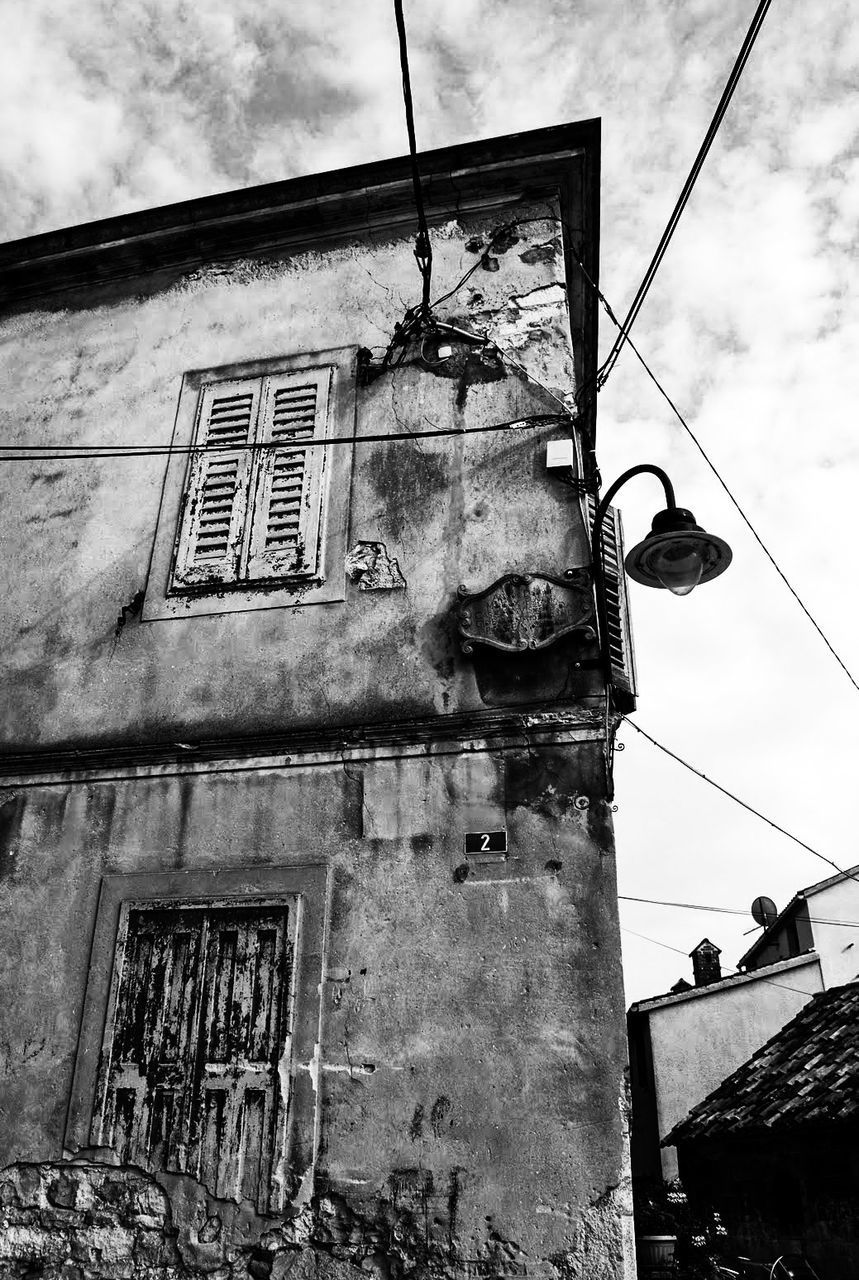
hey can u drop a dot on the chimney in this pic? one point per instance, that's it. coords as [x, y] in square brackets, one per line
[705, 963]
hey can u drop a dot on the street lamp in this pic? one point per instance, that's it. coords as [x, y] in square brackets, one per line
[677, 554]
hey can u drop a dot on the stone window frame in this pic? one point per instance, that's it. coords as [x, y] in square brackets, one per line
[327, 582]
[303, 887]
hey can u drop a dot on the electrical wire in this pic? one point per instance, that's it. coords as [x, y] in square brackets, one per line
[683, 199]
[758, 539]
[529, 377]
[419, 319]
[742, 803]
[423, 248]
[64, 453]
[505, 229]
[76, 452]
[728, 911]
[711, 464]
[735, 973]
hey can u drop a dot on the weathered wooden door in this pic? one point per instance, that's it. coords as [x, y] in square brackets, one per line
[190, 1076]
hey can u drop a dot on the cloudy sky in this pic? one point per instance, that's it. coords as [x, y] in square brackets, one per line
[752, 325]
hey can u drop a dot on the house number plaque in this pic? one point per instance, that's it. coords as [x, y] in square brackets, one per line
[486, 843]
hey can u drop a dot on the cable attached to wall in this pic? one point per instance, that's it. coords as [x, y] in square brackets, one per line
[72, 452]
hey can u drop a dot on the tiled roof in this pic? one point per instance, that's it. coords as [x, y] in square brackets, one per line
[808, 1073]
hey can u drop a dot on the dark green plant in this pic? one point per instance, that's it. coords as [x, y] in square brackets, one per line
[662, 1208]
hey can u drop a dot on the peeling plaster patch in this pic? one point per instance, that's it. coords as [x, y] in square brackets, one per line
[302, 1200]
[356, 1069]
[239, 271]
[557, 897]
[438, 1115]
[541, 252]
[531, 316]
[130, 610]
[601, 1249]
[312, 1067]
[546, 295]
[547, 1211]
[503, 239]
[369, 564]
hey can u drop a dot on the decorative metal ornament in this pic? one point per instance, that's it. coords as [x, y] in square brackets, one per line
[522, 612]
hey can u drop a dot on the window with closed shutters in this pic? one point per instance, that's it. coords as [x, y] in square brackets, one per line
[190, 1074]
[253, 500]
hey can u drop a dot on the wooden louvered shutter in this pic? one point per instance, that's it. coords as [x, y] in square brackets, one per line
[236, 1113]
[288, 486]
[151, 1055]
[190, 1077]
[212, 527]
[619, 639]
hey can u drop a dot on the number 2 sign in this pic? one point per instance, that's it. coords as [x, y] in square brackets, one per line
[484, 842]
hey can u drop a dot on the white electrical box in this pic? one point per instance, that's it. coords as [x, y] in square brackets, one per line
[559, 453]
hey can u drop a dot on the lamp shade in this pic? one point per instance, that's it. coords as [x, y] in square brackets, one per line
[677, 554]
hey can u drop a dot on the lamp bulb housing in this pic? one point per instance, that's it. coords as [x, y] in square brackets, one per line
[677, 554]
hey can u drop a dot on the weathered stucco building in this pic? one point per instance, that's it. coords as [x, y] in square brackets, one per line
[264, 1006]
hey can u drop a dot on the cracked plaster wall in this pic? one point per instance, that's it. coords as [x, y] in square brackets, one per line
[469, 1021]
[487, 1001]
[107, 367]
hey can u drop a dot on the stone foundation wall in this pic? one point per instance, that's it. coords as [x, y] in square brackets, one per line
[81, 1221]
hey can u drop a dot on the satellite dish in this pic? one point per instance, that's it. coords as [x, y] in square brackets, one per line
[764, 911]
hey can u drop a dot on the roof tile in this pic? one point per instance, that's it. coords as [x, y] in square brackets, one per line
[807, 1073]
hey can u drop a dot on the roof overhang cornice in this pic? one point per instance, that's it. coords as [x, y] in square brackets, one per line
[562, 160]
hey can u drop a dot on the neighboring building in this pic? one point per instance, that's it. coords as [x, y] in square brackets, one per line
[774, 1149]
[820, 919]
[257, 992]
[684, 1043]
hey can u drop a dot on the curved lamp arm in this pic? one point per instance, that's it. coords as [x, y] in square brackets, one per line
[677, 553]
[643, 468]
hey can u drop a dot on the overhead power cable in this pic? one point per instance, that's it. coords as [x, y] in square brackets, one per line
[71, 452]
[727, 911]
[735, 973]
[711, 464]
[423, 248]
[742, 803]
[683, 199]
